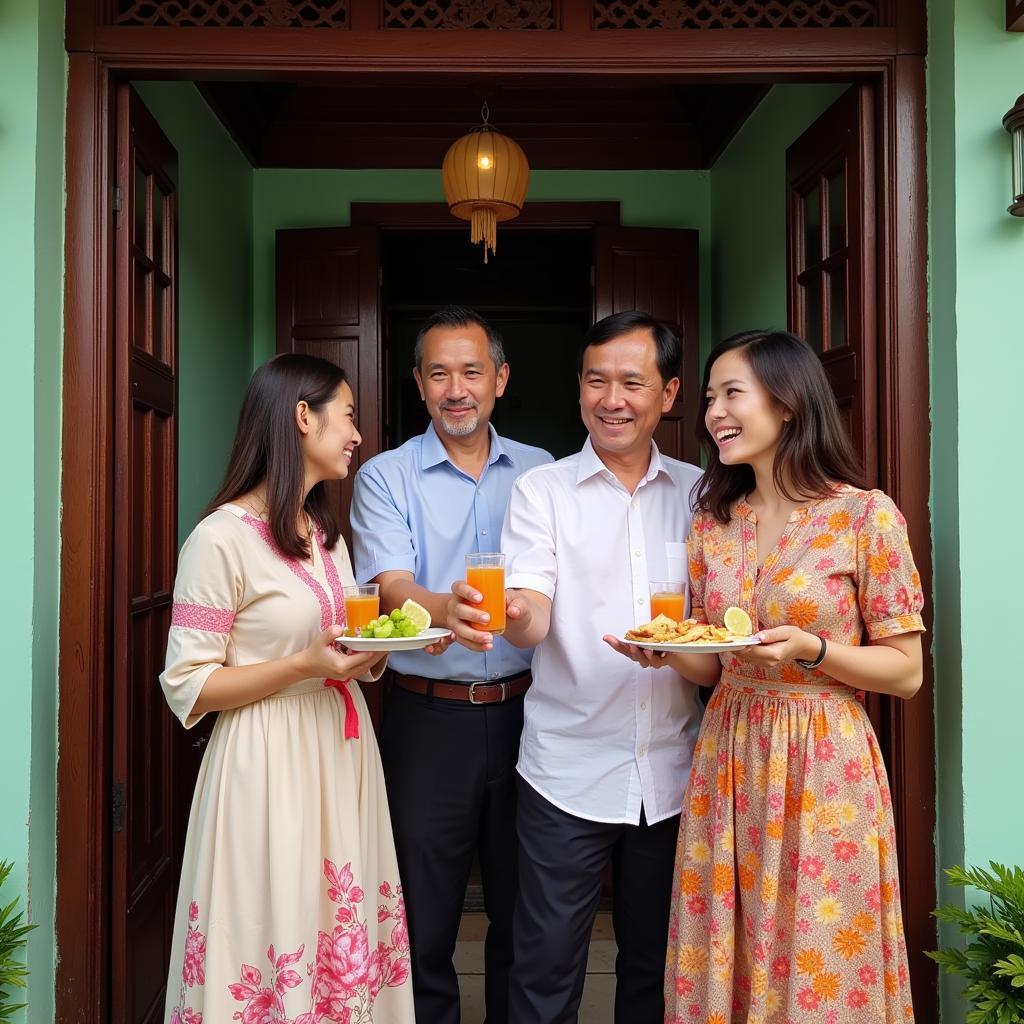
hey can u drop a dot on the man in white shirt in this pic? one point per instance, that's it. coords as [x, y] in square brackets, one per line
[606, 744]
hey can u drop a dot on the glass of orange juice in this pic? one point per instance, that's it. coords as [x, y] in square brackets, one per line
[485, 572]
[362, 605]
[668, 598]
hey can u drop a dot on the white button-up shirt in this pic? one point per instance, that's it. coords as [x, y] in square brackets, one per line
[602, 737]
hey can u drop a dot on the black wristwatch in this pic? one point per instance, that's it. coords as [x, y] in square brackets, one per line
[804, 663]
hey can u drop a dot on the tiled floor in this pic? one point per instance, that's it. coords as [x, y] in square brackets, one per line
[598, 993]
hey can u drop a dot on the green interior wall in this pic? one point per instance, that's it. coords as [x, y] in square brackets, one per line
[32, 91]
[975, 73]
[215, 282]
[748, 210]
[323, 198]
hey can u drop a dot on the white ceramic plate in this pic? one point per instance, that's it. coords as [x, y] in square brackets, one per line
[393, 643]
[725, 645]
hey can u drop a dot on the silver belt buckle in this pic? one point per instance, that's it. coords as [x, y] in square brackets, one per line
[483, 682]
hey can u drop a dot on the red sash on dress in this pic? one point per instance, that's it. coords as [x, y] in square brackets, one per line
[351, 715]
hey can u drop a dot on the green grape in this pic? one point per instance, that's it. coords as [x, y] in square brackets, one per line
[381, 619]
[407, 629]
[384, 631]
[366, 632]
[396, 615]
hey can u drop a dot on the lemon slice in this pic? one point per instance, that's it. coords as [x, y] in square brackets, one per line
[737, 621]
[419, 616]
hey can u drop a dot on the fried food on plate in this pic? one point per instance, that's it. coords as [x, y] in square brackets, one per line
[663, 630]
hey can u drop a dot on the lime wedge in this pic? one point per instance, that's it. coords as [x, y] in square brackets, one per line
[737, 621]
[416, 614]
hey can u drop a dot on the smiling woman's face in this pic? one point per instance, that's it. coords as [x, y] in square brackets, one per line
[328, 447]
[742, 417]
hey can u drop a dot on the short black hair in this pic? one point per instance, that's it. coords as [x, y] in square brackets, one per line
[670, 349]
[459, 316]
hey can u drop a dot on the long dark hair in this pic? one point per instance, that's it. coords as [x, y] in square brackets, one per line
[814, 451]
[267, 447]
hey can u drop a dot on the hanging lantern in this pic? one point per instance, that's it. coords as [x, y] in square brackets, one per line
[485, 177]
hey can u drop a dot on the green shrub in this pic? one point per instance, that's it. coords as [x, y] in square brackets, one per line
[12, 943]
[993, 960]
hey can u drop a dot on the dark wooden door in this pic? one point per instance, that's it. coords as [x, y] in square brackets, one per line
[328, 306]
[150, 776]
[655, 270]
[830, 176]
[832, 251]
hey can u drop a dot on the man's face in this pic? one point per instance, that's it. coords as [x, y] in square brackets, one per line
[622, 395]
[458, 380]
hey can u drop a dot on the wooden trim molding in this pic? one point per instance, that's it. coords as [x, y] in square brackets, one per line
[755, 52]
[1015, 15]
[83, 766]
[905, 475]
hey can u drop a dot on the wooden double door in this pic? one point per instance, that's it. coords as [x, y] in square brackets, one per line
[330, 304]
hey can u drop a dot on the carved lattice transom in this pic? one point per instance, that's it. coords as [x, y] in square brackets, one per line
[233, 13]
[708, 14]
[458, 14]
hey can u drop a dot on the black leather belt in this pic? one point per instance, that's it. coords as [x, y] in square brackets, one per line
[480, 691]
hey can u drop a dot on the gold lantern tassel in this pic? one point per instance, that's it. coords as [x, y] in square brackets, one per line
[483, 227]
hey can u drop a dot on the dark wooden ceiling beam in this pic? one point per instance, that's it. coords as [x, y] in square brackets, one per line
[629, 127]
[350, 151]
[739, 54]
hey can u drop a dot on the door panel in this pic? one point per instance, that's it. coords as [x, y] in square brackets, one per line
[831, 258]
[328, 306]
[149, 766]
[655, 270]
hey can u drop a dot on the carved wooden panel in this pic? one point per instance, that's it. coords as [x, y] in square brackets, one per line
[232, 13]
[710, 14]
[460, 14]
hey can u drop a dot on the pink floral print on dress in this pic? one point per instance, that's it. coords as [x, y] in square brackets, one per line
[345, 975]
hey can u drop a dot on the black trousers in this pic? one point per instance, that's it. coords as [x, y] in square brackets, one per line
[450, 771]
[562, 861]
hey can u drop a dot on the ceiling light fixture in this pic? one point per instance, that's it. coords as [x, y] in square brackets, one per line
[485, 176]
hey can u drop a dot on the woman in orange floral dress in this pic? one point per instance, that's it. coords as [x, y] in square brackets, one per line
[786, 904]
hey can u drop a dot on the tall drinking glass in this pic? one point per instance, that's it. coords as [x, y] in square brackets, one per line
[485, 572]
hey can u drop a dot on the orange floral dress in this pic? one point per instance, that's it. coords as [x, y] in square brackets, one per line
[786, 904]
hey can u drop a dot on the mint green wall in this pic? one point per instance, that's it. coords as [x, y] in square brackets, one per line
[748, 210]
[215, 301]
[302, 199]
[32, 78]
[976, 72]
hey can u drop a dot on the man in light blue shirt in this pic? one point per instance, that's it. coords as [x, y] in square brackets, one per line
[452, 724]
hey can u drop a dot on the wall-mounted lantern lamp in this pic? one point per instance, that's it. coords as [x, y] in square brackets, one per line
[1013, 122]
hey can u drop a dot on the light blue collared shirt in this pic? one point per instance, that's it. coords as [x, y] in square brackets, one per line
[414, 511]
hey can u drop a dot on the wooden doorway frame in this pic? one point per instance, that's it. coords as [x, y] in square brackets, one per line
[892, 58]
